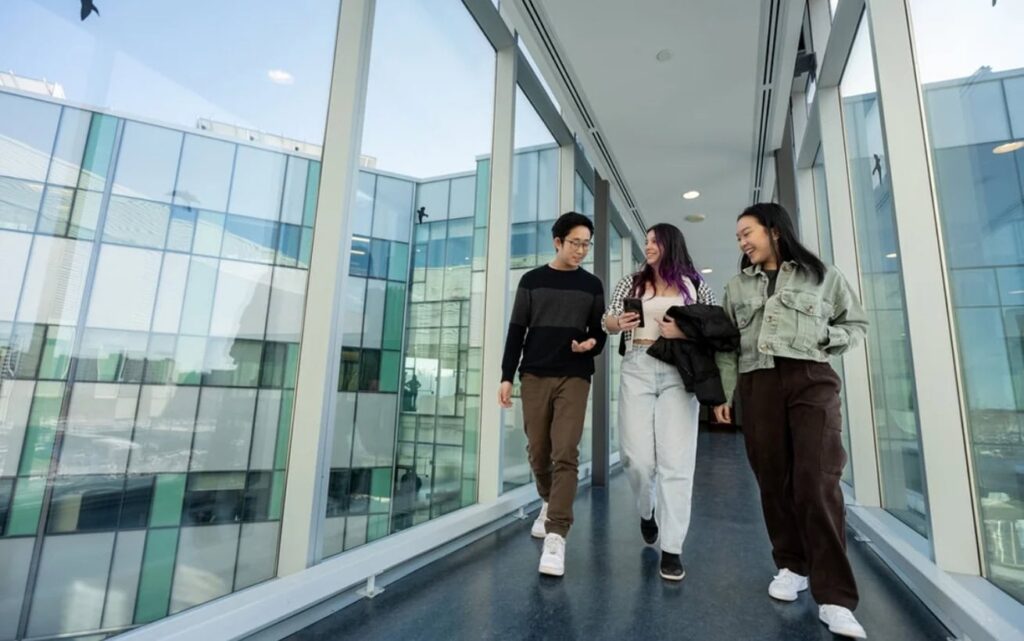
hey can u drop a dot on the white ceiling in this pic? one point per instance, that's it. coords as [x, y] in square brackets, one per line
[688, 123]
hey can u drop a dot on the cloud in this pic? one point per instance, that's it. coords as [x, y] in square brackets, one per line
[280, 77]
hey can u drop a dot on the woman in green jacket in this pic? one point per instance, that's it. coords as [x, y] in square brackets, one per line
[793, 313]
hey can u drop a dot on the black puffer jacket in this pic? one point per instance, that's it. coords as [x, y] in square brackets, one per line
[708, 330]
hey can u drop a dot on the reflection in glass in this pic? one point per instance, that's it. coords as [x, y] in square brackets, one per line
[894, 398]
[974, 107]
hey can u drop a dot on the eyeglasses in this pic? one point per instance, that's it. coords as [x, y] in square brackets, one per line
[585, 245]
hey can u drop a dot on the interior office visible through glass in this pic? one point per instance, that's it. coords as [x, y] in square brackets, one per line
[971, 69]
[893, 392]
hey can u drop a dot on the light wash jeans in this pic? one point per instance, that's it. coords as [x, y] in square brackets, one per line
[658, 442]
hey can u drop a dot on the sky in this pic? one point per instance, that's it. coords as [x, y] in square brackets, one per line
[266, 65]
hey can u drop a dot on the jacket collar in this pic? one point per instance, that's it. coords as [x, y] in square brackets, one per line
[754, 270]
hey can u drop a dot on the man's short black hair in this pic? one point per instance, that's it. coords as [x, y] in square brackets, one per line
[568, 222]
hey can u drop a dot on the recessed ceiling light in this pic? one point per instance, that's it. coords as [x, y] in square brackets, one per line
[690, 195]
[1008, 147]
[696, 218]
[706, 271]
[664, 55]
[891, 255]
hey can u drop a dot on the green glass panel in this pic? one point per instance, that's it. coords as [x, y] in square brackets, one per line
[306, 249]
[56, 353]
[56, 211]
[157, 572]
[312, 186]
[292, 371]
[277, 497]
[284, 422]
[26, 506]
[42, 427]
[240, 369]
[209, 233]
[377, 528]
[85, 215]
[275, 360]
[202, 282]
[483, 191]
[380, 483]
[394, 316]
[167, 500]
[398, 267]
[390, 364]
[98, 151]
[188, 360]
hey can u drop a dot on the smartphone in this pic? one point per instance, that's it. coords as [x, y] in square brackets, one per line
[634, 305]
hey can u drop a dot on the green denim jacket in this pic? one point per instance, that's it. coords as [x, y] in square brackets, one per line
[803, 320]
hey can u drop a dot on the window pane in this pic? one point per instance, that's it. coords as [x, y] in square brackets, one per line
[975, 112]
[889, 361]
[420, 177]
[140, 230]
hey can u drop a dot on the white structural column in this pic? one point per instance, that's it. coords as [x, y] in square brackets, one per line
[844, 246]
[929, 313]
[497, 280]
[315, 395]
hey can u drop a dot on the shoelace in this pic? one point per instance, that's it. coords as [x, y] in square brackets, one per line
[552, 546]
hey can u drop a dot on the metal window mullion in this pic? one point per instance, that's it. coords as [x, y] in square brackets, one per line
[314, 408]
[491, 429]
[944, 440]
[857, 379]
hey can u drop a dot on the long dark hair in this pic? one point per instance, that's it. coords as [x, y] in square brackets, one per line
[675, 264]
[775, 218]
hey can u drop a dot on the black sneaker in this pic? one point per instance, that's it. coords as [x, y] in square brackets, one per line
[649, 529]
[671, 567]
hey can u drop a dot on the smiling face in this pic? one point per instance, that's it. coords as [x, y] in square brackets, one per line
[653, 250]
[756, 242]
[573, 250]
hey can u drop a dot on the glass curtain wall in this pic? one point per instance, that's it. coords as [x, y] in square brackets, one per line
[828, 256]
[405, 441]
[534, 209]
[155, 242]
[972, 79]
[894, 398]
[617, 268]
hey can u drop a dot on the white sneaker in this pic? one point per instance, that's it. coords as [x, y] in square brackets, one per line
[841, 621]
[539, 529]
[552, 559]
[786, 585]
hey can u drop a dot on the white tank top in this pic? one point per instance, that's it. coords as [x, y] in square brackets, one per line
[654, 310]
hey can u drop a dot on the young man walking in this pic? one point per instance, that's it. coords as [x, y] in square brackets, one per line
[553, 336]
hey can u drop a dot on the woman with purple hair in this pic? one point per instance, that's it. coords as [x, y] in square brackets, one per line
[657, 416]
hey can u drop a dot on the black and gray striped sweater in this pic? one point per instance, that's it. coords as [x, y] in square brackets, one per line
[553, 308]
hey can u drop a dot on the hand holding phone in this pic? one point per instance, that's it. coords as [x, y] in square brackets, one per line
[636, 306]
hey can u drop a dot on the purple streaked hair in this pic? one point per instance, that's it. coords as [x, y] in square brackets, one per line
[674, 267]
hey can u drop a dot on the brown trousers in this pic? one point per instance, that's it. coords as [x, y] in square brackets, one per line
[554, 409]
[792, 427]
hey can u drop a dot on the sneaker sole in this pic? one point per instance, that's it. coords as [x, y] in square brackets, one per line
[551, 571]
[538, 535]
[670, 577]
[787, 598]
[848, 635]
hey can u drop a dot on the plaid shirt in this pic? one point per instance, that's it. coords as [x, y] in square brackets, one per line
[622, 290]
